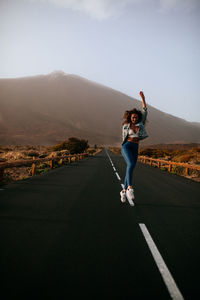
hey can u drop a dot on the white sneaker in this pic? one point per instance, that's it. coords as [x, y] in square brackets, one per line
[123, 196]
[130, 194]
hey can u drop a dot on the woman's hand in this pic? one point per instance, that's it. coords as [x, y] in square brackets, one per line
[142, 95]
[143, 99]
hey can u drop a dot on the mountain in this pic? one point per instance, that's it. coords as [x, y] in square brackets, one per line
[46, 109]
[197, 124]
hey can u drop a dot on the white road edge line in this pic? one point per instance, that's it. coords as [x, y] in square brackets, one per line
[164, 271]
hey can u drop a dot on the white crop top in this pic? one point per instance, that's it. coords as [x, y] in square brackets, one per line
[132, 134]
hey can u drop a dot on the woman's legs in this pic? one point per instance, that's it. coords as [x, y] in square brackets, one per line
[130, 154]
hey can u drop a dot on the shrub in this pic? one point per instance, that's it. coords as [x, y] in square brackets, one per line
[43, 165]
[154, 153]
[73, 145]
[33, 153]
[195, 149]
[42, 171]
[183, 158]
[115, 150]
[43, 155]
[60, 146]
[91, 151]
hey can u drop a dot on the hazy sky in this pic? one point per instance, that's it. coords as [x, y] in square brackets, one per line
[129, 45]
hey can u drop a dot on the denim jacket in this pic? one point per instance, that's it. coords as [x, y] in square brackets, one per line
[142, 131]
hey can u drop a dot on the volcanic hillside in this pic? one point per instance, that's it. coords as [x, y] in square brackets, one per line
[46, 109]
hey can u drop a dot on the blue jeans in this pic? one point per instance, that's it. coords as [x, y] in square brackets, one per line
[130, 154]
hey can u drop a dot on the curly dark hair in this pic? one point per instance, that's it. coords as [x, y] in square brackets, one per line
[128, 113]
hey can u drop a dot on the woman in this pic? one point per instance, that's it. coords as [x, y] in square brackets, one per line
[132, 132]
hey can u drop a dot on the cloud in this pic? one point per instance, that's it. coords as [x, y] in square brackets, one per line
[186, 5]
[102, 9]
[98, 9]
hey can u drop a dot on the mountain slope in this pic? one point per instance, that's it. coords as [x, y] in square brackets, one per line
[48, 108]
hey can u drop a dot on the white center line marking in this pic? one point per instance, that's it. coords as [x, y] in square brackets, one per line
[122, 185]
[164, 271]
[117, 175]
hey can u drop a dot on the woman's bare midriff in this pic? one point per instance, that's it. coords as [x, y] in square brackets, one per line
[133, 140]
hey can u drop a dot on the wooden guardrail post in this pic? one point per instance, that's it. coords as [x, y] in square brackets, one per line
[51, 164]
[159, 162]
[34, 169]
[186, 171]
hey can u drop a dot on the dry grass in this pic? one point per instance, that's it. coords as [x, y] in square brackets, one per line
[185, 154]
[115, 150]
[15, 153]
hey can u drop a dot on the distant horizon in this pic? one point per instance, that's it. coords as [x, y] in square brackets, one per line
[62, 72]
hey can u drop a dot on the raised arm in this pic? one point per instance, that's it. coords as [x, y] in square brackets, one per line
[143, 99]
[144, 106]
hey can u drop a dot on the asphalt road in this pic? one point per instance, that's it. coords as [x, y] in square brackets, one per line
[66, 235]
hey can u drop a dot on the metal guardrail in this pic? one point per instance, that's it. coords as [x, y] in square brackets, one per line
[161, 162]
[33, 162]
